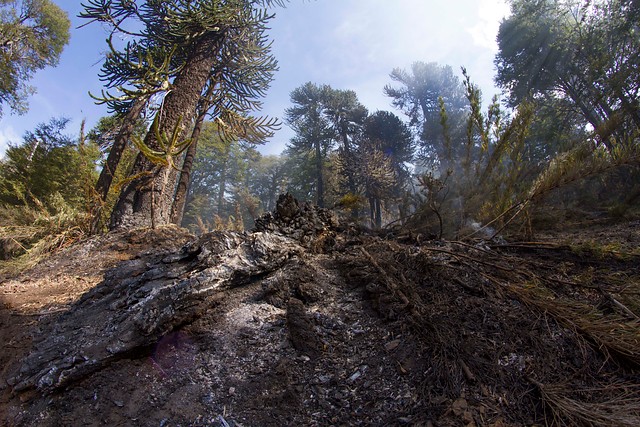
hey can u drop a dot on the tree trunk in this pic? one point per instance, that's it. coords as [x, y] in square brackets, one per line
[152, 189]
[319, 177]
[184, 182]
[372, 211]
[119, 144]
[355, 212]
[588, 113]
[180, 200]
[222, 186]
[378, 214]
[113, 159]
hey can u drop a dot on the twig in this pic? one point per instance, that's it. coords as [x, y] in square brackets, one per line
[476, 248]
[496, 219]
[618, 304]
[531, 245]
[522, 207]
[388, 281]
[453, 254]
[223, 421]
[467, 372]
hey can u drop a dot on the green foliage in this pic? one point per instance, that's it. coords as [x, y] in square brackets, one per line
[350, 201]
[385, 150]
[484, 178]
[385, 132]
[267, 178]
[46, 187]
[585, 53]
[421, 95]
[135, 73]
[37, 230]
[584, 160]
[346, 116]
[314, 133]
[169, 146]
[47, 163]
[33, 34]
[163, 36]
[344, 150]
[205, 57]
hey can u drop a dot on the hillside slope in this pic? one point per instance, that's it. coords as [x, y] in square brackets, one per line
[305, 322]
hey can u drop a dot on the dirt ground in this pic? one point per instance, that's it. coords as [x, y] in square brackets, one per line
[372, 330]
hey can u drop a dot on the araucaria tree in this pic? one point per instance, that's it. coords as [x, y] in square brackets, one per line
[346, 115]
[33, 34]
[421, 93]
[314, 134]
[385, 150]
[184, 41]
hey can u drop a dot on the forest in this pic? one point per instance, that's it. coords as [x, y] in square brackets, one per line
[518, 216]
[563, 139]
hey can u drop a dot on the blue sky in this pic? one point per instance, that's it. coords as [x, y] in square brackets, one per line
[348, 44]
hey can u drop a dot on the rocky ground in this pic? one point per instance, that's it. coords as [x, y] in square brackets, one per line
[309, 323]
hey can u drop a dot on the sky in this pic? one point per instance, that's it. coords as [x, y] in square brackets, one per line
[347, 44]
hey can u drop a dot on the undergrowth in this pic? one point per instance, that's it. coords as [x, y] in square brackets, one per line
[33, 232]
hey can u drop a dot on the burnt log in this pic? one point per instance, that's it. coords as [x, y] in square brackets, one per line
[142, 300]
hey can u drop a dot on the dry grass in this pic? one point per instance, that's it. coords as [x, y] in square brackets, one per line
[609, 405]
[615, 334]
[40, 233]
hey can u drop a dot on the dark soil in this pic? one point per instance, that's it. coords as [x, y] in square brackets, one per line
[362, 330]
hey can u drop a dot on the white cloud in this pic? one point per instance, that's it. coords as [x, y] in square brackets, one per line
[378, 36]
[355, 44]
[490, 13]
[7, 135]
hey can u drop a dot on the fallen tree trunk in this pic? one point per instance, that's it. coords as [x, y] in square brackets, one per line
[142, 300]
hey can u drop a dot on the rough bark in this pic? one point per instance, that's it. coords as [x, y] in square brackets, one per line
[184, 181]
[113, 159]
[142, 300]
[119, 144]
[180, 199]
[147, 199]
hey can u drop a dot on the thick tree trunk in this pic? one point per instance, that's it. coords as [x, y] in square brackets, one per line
[180, 200]
[148, 198]
[184, 182]
[113, 159]
[119, 144]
